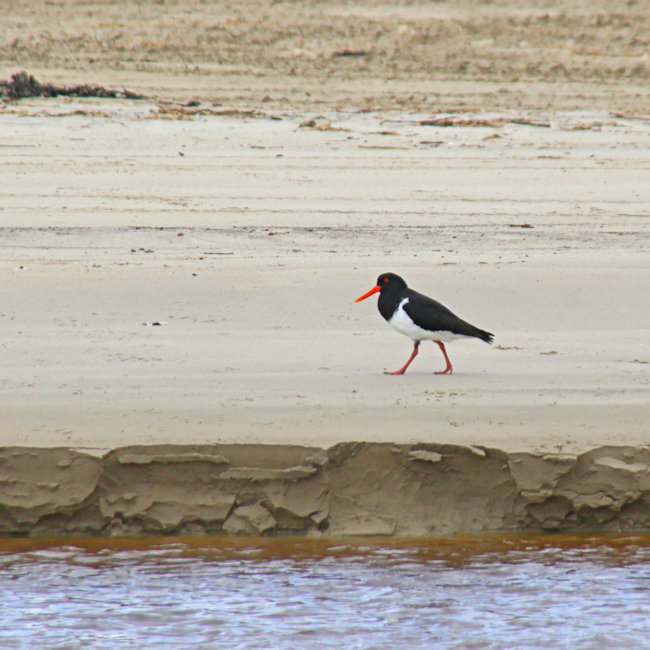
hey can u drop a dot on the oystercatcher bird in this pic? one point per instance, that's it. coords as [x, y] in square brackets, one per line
[420, 318]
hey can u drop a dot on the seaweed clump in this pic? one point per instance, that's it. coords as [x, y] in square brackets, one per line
[22, 85]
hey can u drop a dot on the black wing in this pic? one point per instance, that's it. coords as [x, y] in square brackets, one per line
[434, 316]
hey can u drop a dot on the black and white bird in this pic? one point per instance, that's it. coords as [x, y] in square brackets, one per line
[420, 318]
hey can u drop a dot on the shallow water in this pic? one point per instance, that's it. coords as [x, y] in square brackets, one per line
[461, 592]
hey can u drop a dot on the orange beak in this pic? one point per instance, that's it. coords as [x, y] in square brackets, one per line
[368, 294]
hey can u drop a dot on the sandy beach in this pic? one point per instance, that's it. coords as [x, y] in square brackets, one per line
[178, 272]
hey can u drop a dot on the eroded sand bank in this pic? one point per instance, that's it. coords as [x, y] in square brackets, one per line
[180, 350]
[349, 489]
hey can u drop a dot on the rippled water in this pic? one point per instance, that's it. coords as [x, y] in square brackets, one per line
[487, 592]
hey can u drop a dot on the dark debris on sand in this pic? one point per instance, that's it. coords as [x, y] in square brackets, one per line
[23, 85]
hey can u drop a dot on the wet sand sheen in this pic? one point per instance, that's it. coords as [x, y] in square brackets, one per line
[452, 549]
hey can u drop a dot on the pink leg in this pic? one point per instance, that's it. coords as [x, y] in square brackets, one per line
[449, 369]
[402, 370]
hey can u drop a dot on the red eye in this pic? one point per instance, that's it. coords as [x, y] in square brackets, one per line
[385, 279]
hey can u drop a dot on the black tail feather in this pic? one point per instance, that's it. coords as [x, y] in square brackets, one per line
[488, 337]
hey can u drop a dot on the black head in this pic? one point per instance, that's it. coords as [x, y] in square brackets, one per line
[386, 283]
[390, 282]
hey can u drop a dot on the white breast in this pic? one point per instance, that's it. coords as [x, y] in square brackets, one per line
[401, 322]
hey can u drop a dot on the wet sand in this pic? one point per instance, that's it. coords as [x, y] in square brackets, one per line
[184, 275]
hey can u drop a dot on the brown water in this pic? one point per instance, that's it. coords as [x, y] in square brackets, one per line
[460, 592]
